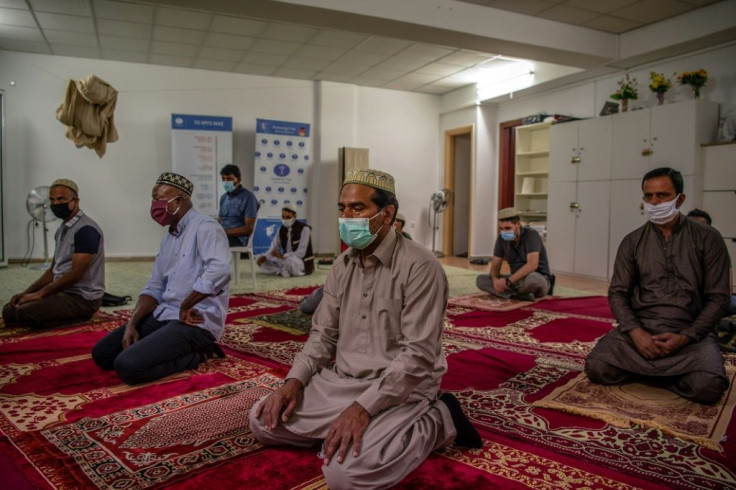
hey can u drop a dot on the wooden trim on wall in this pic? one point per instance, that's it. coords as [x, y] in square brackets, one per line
[507, 162]
[448, 218]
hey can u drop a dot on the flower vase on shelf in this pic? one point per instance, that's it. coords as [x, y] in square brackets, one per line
[659, 84]
[694, 79]
[627, 89]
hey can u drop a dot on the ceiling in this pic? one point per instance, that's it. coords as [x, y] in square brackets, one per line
[409, 45]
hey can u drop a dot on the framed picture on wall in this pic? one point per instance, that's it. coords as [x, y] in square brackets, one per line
[609, 108]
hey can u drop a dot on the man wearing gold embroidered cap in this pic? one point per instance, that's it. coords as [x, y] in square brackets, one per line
[367, 381]
[71, 289]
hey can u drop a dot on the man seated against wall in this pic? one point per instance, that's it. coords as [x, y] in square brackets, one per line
[399, 225]
[238, 208]
[291, 249]
[180, 313]
[366, 385]
[704, 217]
[71, 289]
[522, 247]
[669, 290]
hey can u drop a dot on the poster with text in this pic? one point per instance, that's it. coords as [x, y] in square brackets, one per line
[200, 147]
[282, 163]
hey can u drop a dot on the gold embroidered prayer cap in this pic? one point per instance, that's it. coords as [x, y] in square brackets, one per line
[66, 183]
[370, 177]
[176, 180]
[289, 207]
[508, 213]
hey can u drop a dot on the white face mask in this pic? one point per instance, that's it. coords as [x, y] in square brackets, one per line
[288, 222]
[663, 212]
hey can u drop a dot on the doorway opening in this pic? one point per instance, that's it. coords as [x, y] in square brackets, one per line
[459, 175]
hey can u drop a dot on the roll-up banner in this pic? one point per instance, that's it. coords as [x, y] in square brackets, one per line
[282, 164]
[200, 147]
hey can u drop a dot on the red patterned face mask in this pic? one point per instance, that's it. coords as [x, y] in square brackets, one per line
[160, 211]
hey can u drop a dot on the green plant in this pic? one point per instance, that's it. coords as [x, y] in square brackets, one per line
[659, 83]
[696, 79]
[627, 89]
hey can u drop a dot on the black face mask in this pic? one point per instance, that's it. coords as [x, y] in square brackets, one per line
[61, 210]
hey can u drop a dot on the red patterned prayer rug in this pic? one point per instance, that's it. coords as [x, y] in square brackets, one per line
[66, 424]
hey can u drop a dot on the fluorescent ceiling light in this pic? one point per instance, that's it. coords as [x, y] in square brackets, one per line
[501, 79]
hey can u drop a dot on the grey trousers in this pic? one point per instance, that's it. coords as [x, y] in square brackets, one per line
[164, 348]
[534, 283]
[396, 441]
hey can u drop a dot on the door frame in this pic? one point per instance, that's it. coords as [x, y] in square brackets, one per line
[448, 221]
[507, 163]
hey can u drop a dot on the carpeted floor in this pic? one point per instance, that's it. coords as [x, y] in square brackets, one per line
[128, 277]
[66, 424]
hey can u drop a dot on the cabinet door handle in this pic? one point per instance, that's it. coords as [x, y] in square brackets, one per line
[574, 205]
[646, 152]
[575, 160]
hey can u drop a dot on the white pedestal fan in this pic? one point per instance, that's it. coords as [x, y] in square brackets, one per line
[38, 206]
[437, 205]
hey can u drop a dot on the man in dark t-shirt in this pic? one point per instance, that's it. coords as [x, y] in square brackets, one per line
[523, 249]
[71, 289]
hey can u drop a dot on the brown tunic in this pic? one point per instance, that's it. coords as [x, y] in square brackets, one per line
[679, 285]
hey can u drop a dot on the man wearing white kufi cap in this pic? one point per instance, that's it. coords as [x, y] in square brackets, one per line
[367, 381]
[523, 249]
[291, 249]
[71, 289]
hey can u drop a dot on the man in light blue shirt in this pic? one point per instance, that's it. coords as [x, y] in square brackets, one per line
[181, 311]
[238, 208]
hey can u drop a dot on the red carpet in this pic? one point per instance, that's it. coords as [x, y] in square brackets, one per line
[66, 424]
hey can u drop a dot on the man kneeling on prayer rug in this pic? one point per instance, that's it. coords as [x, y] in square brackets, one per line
[669, 290]
[367, 382]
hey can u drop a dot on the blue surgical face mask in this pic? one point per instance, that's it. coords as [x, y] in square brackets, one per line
[508, 235]
[228, 185]
[356, 232]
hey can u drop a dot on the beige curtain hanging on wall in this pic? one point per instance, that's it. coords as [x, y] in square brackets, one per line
[88, 113]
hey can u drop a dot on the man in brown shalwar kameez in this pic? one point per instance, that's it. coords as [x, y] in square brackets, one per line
[669, 290]
[367, 381]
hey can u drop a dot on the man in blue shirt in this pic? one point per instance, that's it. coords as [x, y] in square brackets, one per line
[238, 208]
[181, 311]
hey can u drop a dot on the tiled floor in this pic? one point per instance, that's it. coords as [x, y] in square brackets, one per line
[580, 283]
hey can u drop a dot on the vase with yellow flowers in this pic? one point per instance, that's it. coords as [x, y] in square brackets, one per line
[695, 79]
[627, 89]
[659, 84]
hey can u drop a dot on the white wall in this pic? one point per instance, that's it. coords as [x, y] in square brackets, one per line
[400, 128]
[587, 99]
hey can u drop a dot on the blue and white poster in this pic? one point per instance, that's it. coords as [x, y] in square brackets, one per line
[200, 147]
[282, 164]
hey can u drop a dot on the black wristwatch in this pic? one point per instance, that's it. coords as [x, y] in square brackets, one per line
[509, 283]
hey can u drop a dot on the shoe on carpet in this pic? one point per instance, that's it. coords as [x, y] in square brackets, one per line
[284, 273]
[466, 436]
[523, 297]
[211, 351]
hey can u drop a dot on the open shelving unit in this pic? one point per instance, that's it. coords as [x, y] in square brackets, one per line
[532, 172]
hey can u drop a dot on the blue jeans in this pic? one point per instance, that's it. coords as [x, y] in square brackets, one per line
[164, 348]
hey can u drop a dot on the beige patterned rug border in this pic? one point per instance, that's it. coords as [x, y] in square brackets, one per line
[488, 302]
[581, 397]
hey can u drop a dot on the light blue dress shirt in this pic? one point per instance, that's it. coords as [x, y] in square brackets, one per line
[197, 258]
